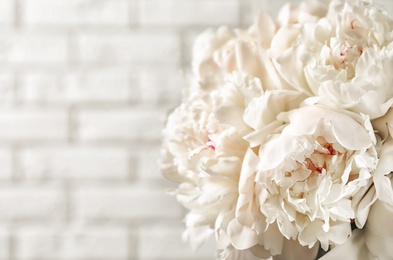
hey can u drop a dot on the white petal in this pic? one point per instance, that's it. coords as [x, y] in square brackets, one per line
[242, 237]
[350, 133]
[283, 39]
[197, 235]
[383, 182]
[254, 61]
[353, 249]
[379, 229]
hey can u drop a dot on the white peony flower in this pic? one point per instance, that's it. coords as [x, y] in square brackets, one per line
[284, 140]
[204, 49]
[208, 156]
[246, 228]
[290, 21]
[346, 57]
[217, 53]
[311, 169]
[203, 150]
[307, 11]
[221, 51]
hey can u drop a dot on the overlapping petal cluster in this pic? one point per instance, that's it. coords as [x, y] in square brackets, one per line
[283, 142]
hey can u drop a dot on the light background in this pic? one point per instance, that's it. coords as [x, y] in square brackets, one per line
[84, 88]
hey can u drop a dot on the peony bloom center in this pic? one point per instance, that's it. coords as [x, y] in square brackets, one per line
[307, 174]
[346, 57]
[347, 50]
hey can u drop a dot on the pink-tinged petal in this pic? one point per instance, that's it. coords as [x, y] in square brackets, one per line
[313, 167]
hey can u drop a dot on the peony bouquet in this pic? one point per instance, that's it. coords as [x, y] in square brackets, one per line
[283, 143]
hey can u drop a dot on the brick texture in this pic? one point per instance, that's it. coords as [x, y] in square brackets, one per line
[138, 47]
[84, 89]
[75, 12]
[33, 123]
[33, 48]
[125, 124]
[88, 86]
[7, 12]
[74, 162]
[6, 164]
[186, 13]
[4, 243]
[158, 238]
[7, 88]
[60, 242]
[32, 202]
[123, 203]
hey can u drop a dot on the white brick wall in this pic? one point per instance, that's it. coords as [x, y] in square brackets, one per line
[4, 243]
[99, 242]
[75, 12]
[33, 202]
[75, 86]
[84, 88]
[129, 48]
[7, 12]
[189, 13]
[6, 164]
[33, 123]
[74, 163]
[119, 124]
[30, 48]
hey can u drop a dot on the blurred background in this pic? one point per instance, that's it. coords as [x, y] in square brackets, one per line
[84, 89]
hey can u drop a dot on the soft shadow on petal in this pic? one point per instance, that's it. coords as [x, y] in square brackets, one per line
[382, 176]
[354, 249]
[384, 125]
[292, 250]
[378, 233]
